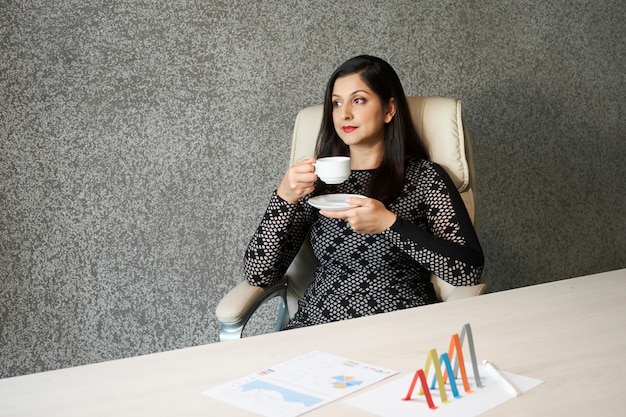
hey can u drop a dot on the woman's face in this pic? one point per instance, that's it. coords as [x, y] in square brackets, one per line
[358, 114]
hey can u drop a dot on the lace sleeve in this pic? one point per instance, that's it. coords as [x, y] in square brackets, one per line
[275, 242]
[444, 242]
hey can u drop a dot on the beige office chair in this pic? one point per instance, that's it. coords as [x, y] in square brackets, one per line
[439, 123]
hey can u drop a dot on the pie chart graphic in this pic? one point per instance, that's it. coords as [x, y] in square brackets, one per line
[344, 381]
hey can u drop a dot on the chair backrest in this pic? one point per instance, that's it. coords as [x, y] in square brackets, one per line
[439, 123]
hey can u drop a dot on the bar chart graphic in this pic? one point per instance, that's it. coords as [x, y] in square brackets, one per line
[436, 362]
[451, 384]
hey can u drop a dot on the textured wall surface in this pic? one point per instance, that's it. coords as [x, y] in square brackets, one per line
[140, 141]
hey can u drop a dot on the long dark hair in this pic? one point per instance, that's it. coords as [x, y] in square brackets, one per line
[401, 139]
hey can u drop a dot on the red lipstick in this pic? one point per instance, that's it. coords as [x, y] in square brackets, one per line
[348, 129]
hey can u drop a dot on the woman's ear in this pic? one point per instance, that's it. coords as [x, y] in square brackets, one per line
[390, 110]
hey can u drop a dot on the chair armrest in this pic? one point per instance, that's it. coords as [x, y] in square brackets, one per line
[448, 292]
[466, 291]
[239, 304]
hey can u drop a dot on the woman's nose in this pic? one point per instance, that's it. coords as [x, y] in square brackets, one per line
[346, 114]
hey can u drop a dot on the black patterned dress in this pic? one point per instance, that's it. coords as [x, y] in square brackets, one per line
[364, 274]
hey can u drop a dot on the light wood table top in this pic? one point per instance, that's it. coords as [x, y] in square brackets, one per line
[571, 334]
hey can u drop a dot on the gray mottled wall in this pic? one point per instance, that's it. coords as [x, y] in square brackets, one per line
[140, 140]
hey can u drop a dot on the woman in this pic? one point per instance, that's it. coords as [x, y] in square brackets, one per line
[378, 256]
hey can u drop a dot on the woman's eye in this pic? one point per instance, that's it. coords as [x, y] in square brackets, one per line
[336, 103]
[359, 100]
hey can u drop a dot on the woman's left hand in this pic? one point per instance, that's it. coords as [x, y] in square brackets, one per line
[370, 216]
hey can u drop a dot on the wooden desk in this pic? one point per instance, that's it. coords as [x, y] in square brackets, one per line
[570, 334]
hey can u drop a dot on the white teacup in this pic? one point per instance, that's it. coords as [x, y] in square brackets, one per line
[333, 169]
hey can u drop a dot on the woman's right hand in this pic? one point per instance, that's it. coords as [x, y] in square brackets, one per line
[299, 180]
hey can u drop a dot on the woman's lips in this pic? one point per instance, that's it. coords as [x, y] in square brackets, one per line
[348, 129]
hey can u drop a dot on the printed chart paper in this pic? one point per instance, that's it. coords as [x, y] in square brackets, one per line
[299, 385]
[386, 400]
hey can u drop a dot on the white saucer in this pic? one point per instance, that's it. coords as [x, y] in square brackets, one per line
[333, 201]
